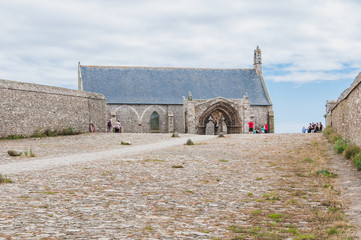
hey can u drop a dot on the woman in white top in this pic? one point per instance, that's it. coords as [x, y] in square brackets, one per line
[117, 126]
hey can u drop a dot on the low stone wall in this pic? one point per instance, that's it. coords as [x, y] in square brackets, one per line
[28, 108]
[345, 115]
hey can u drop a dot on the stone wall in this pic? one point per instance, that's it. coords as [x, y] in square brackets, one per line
[329, 105]
[345, 115]
[262, 114]
[135, 118]
[198, 112]
[28, 108]
[239, 112]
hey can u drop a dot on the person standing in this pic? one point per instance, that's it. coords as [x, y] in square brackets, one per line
[309, 129]
[304, 129]
[266, 128]
[117, 126]
[110, 125]
[250, 125]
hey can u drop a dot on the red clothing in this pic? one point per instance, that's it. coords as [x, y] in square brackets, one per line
[266, 126]
[250, 124]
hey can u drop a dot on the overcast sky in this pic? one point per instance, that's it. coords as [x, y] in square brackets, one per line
[311, 50]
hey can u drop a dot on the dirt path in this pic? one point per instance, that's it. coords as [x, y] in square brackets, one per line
[276, 186]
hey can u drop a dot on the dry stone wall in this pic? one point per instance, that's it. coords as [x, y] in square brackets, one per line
[29, 108]
[345, 115]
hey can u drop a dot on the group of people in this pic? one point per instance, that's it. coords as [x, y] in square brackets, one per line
[264, 129]
[313, 128]
[117, 126]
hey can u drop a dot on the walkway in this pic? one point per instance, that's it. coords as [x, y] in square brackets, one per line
[53, 162]
[239, 187]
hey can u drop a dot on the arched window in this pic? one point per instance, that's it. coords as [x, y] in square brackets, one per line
[154, 122]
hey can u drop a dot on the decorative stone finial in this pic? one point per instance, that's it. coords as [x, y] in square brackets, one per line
[190, 96]
[246, 96]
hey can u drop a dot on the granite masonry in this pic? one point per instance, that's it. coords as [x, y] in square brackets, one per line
[135, 117]
[185, 100]
[344, 115]
[27, 108]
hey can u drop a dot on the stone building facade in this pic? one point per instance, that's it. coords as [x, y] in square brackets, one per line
[135, 118]
[28, 108]
[344, 115]
[185, 100]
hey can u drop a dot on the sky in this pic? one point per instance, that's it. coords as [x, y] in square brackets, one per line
[311, 49]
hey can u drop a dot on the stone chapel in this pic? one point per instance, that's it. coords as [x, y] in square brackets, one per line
[183, 100]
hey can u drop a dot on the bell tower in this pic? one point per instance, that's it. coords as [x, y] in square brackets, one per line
[258, 61]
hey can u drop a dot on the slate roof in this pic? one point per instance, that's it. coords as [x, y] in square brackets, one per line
[161, 85]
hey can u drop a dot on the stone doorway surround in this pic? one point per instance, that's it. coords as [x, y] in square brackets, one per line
[235, 113]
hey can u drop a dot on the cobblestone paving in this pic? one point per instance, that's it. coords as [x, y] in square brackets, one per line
[68, 145]
[349, 183]
[180, 192]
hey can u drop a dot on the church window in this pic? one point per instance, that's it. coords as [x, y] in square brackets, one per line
[154, 122]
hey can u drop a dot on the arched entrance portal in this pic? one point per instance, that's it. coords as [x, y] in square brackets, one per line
[215, 124]
[222, 117]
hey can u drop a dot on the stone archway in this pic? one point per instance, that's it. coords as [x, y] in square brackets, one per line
[220, 112]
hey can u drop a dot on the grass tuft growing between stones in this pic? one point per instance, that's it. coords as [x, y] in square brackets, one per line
[40, 133]
[148, 228]
[154, 160]
[277, 217]
[177, 166]
[340, 145]
[256, 212]
[14, 137]
[294, 208]
[351, 151]
[5, 179]
[357, 161]
[326, 173]
[175, 135]
[223, 160]
[29, 153]
[328, 131]
[334, 137]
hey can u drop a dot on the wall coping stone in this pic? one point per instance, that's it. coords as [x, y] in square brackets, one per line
[38, 88]
[347, 91]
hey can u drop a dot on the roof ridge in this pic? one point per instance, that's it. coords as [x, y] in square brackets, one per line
[147, 67]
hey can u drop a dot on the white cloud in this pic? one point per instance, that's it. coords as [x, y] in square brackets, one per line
[42, 41]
